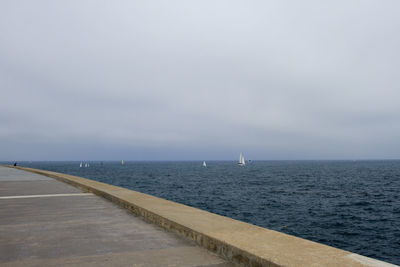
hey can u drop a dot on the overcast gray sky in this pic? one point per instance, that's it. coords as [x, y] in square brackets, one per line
[167, 80]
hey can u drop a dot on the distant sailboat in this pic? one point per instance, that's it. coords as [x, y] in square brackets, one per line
[122, 163]
[204, 164]
[241, 160]
[80, 165]
[86, 165]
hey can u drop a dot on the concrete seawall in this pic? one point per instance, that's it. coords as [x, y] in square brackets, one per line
[239, 242]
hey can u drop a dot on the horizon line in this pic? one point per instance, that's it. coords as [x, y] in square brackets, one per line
[192, 160]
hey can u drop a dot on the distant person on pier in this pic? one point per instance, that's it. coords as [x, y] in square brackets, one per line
[15, 164]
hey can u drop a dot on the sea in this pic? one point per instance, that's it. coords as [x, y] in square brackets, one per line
[351, 205]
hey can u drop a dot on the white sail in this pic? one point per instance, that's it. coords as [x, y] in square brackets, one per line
[80, 165]
[204, 164]
[241, 159]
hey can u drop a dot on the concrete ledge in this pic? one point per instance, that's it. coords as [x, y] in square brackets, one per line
[239, 242]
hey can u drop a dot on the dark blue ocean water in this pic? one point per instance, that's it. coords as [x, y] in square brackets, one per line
[352, 205]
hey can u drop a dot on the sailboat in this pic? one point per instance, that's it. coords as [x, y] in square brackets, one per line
[122, 163]
[80, 165]
[241, 160]
[204, 164]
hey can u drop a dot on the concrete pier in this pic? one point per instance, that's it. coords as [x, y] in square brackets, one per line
[45, 222]
[82, 229]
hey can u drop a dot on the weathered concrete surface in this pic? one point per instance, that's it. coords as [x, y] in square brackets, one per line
[240, 242]
[12, 174]
[82, 230]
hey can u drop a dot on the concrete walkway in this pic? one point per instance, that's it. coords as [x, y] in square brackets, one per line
[44, 222]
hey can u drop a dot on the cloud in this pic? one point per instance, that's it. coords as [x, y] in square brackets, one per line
[277, 80]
